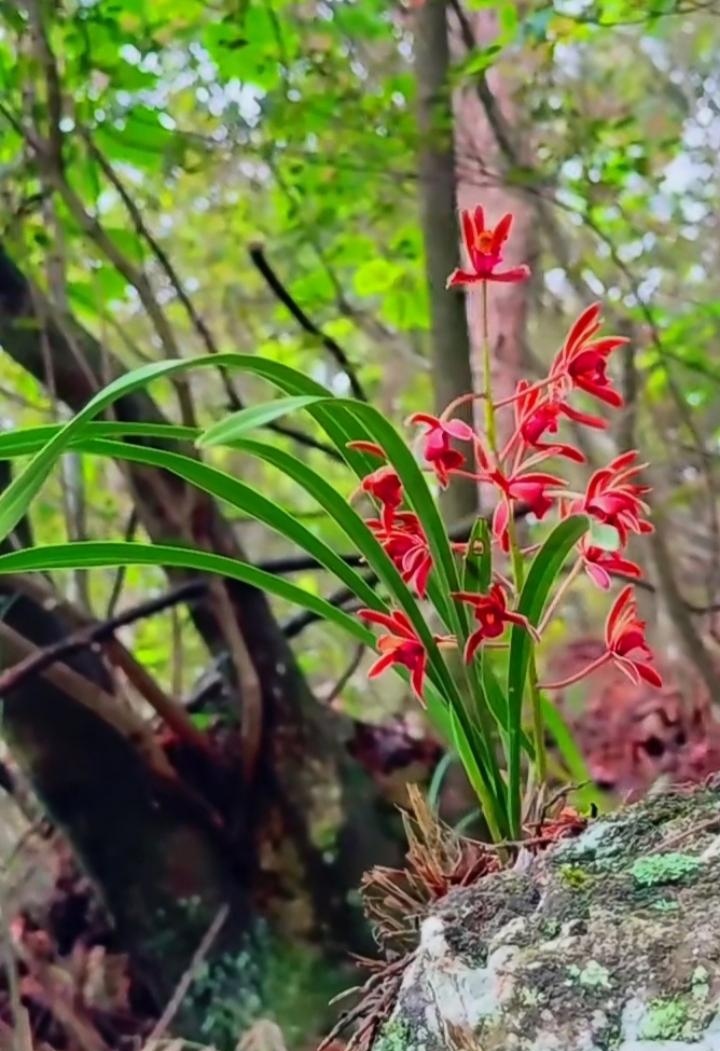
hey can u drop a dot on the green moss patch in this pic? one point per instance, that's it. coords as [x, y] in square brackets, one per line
[656, 869]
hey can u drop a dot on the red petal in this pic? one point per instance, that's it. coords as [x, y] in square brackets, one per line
[598, 575]
[424, 417]
[478, 218]
[397, 623]
[516, 273]
[470, 596]
[523, 622]
[583, 417]
[421, 579]
[471, 646]
[586, 324]
[618, 610]
[467, 220]
[368, 447]
[381, 665]
[648, 673]
[628, 668]
[501, 233]
[373, 616]
[568, 451]
[538, 477]
[607, 394]
[624, 565]
[459, 429]
[622, 461]
[403, 624]
[416, 677]
[501, 516]
[606, 345]
[462, 277]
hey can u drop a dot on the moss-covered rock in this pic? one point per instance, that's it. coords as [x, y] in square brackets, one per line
[607, 942]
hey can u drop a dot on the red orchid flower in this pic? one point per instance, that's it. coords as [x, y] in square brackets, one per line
[614, 498]
[437, 451]
[539, 409]
[625, 635]
[492, 614]
[529, 488]
[406, 544]
[400, 646]
[601, 564]
[385, 486]
[484, 251]
[582, 360]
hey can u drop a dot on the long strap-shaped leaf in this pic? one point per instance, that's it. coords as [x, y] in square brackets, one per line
[341, 423]
[88, 554]
[28, 440]
[342, 515]
[416, 488]
[16, 498]
[422, 502]
[377, 559]
[32, 439]
[243, 497]
[538, 584]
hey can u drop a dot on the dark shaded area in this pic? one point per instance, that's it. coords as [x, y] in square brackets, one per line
[160, 854]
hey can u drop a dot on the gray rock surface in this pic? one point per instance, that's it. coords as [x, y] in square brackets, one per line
[606, 942]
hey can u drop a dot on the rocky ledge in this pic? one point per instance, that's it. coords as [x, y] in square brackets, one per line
[606, 942]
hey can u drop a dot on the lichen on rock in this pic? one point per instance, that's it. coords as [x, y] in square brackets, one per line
[607, 942]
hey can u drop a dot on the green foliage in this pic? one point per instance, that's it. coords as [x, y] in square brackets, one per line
[472, 731]
[268, 979]
[238, 123]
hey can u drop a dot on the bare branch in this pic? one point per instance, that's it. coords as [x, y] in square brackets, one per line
[257, 255]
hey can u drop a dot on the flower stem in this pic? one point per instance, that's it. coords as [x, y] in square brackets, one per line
[538, 723]
[559, 595]
[455, 404]
[514, 397]
[587, 670]
[487, 372]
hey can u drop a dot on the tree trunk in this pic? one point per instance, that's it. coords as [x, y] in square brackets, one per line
[303, 779]
[450, 345]
[151, 847]
[485, 113]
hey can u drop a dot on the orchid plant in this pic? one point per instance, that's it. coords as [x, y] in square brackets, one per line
[513, 602]
[441, 607]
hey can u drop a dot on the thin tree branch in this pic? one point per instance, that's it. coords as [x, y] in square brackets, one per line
[340, 684]
[302, 438]
[343, 598]
[259, 260]
[53, 101]
[98, 633]
[39, 660]
[88, 694]
[142, 229]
